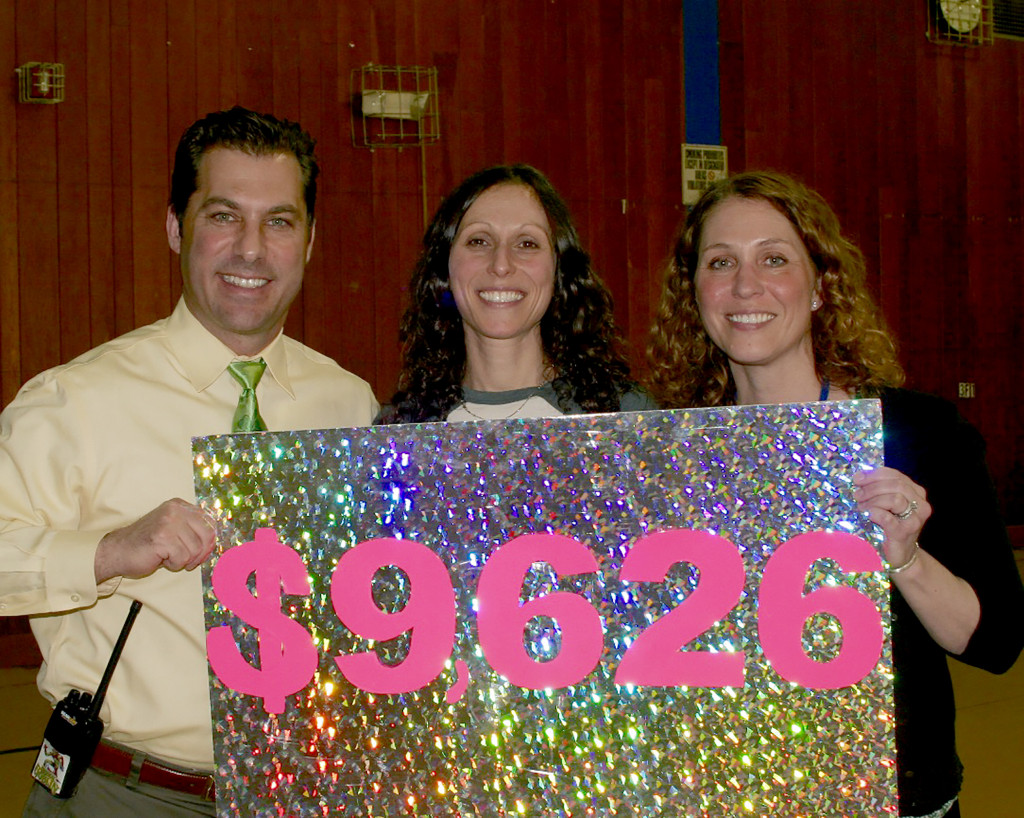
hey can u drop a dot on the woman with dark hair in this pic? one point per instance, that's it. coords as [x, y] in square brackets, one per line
[507, 316]
[765, 301]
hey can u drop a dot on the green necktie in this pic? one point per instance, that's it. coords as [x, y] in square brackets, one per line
[247, 415]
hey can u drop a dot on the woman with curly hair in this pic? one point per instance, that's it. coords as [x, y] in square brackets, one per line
[508, 318]
[765, 301]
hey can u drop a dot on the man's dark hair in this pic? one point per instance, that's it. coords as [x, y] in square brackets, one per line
[243, 130]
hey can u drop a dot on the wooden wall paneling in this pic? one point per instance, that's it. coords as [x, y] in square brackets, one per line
[351, 264]
[16, 645]
[395, 248]
[923, 343]
[992, 124]
[289, 87]
[549, 47]
[149, 160]
[891, 289]
[605, 153]
[182, 75]
[346, 253]
[210, 47]
[925, 339]
[545, 47]
[403, 34]
[351, 275]
[408, 196]
[438, 38]
[354, 167]
[382, 33]
[994, 303]
[1012, 483]
[99, 162]
[936, 147]
[72, 190]
[585, 192]
[397, 270]
[10, 290]
[316, 45]
[656, 115]
[309, 76]
[732, 67]
[660, 131]
[10, 314]
[993, 216]
[857, 194]
[36, 171]
[118, 108]
[518, 116]
[462, 114]
[489, 91]
[959, 338]
[821, 161]
[293, 93]
[609, 94]
[255, 55]
[386, 180]
[896, 134]
[765, 88]
[322, 296]
[39, 276]
[384, 241]
[892, 110]
[228, 75]
[440, 155]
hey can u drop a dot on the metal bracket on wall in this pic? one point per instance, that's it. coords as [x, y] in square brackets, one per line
[397, 107]
[41, 82]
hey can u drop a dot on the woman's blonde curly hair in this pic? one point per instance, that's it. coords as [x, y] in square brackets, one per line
[853, 349]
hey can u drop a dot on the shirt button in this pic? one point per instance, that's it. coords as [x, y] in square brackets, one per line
[75, 597]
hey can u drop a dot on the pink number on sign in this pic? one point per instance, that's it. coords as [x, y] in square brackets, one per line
[656, 657]
[429, 614]
[288, 658]
[502, 617]
[783, 609]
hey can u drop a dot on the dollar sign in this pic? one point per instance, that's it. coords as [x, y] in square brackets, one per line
[288, 658]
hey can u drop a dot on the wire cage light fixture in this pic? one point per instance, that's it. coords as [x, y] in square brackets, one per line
[395, 106]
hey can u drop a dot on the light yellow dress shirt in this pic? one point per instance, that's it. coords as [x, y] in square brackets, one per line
[93, 445]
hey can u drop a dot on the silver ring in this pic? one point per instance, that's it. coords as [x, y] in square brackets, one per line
[910, 509]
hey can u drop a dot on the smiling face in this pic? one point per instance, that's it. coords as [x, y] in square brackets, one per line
[755, 285]
[502, 266]
[244, 242]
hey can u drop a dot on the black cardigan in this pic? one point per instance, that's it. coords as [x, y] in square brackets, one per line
[927, 440]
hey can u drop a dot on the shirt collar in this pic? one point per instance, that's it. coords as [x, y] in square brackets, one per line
[203, 357]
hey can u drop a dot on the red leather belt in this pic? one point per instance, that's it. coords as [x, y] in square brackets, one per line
[119, 762]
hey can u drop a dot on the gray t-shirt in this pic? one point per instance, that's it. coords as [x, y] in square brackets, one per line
[531, 402]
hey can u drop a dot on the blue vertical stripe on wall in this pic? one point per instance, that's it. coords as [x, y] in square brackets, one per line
[700, 72]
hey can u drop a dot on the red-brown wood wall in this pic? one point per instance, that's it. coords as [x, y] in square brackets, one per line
[917, 145]
[589, 91]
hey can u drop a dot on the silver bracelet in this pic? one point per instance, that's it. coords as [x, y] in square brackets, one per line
[913, 558]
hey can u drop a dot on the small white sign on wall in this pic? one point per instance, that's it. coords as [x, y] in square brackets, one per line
[703, 165]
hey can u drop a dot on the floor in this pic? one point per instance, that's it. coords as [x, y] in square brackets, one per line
[990, 736]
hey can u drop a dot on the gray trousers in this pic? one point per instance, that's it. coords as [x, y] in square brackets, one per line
[100, 796]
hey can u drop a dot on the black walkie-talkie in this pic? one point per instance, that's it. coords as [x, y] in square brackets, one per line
[74, 729]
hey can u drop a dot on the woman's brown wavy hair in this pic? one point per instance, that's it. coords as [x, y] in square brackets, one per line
[578, 333]
[853, 349]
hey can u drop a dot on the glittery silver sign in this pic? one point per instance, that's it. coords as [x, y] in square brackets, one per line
[655, 614]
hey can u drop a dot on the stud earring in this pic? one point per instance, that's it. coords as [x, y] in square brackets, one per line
[815, 304]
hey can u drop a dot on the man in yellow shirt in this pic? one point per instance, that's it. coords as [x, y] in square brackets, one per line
[95, 462]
